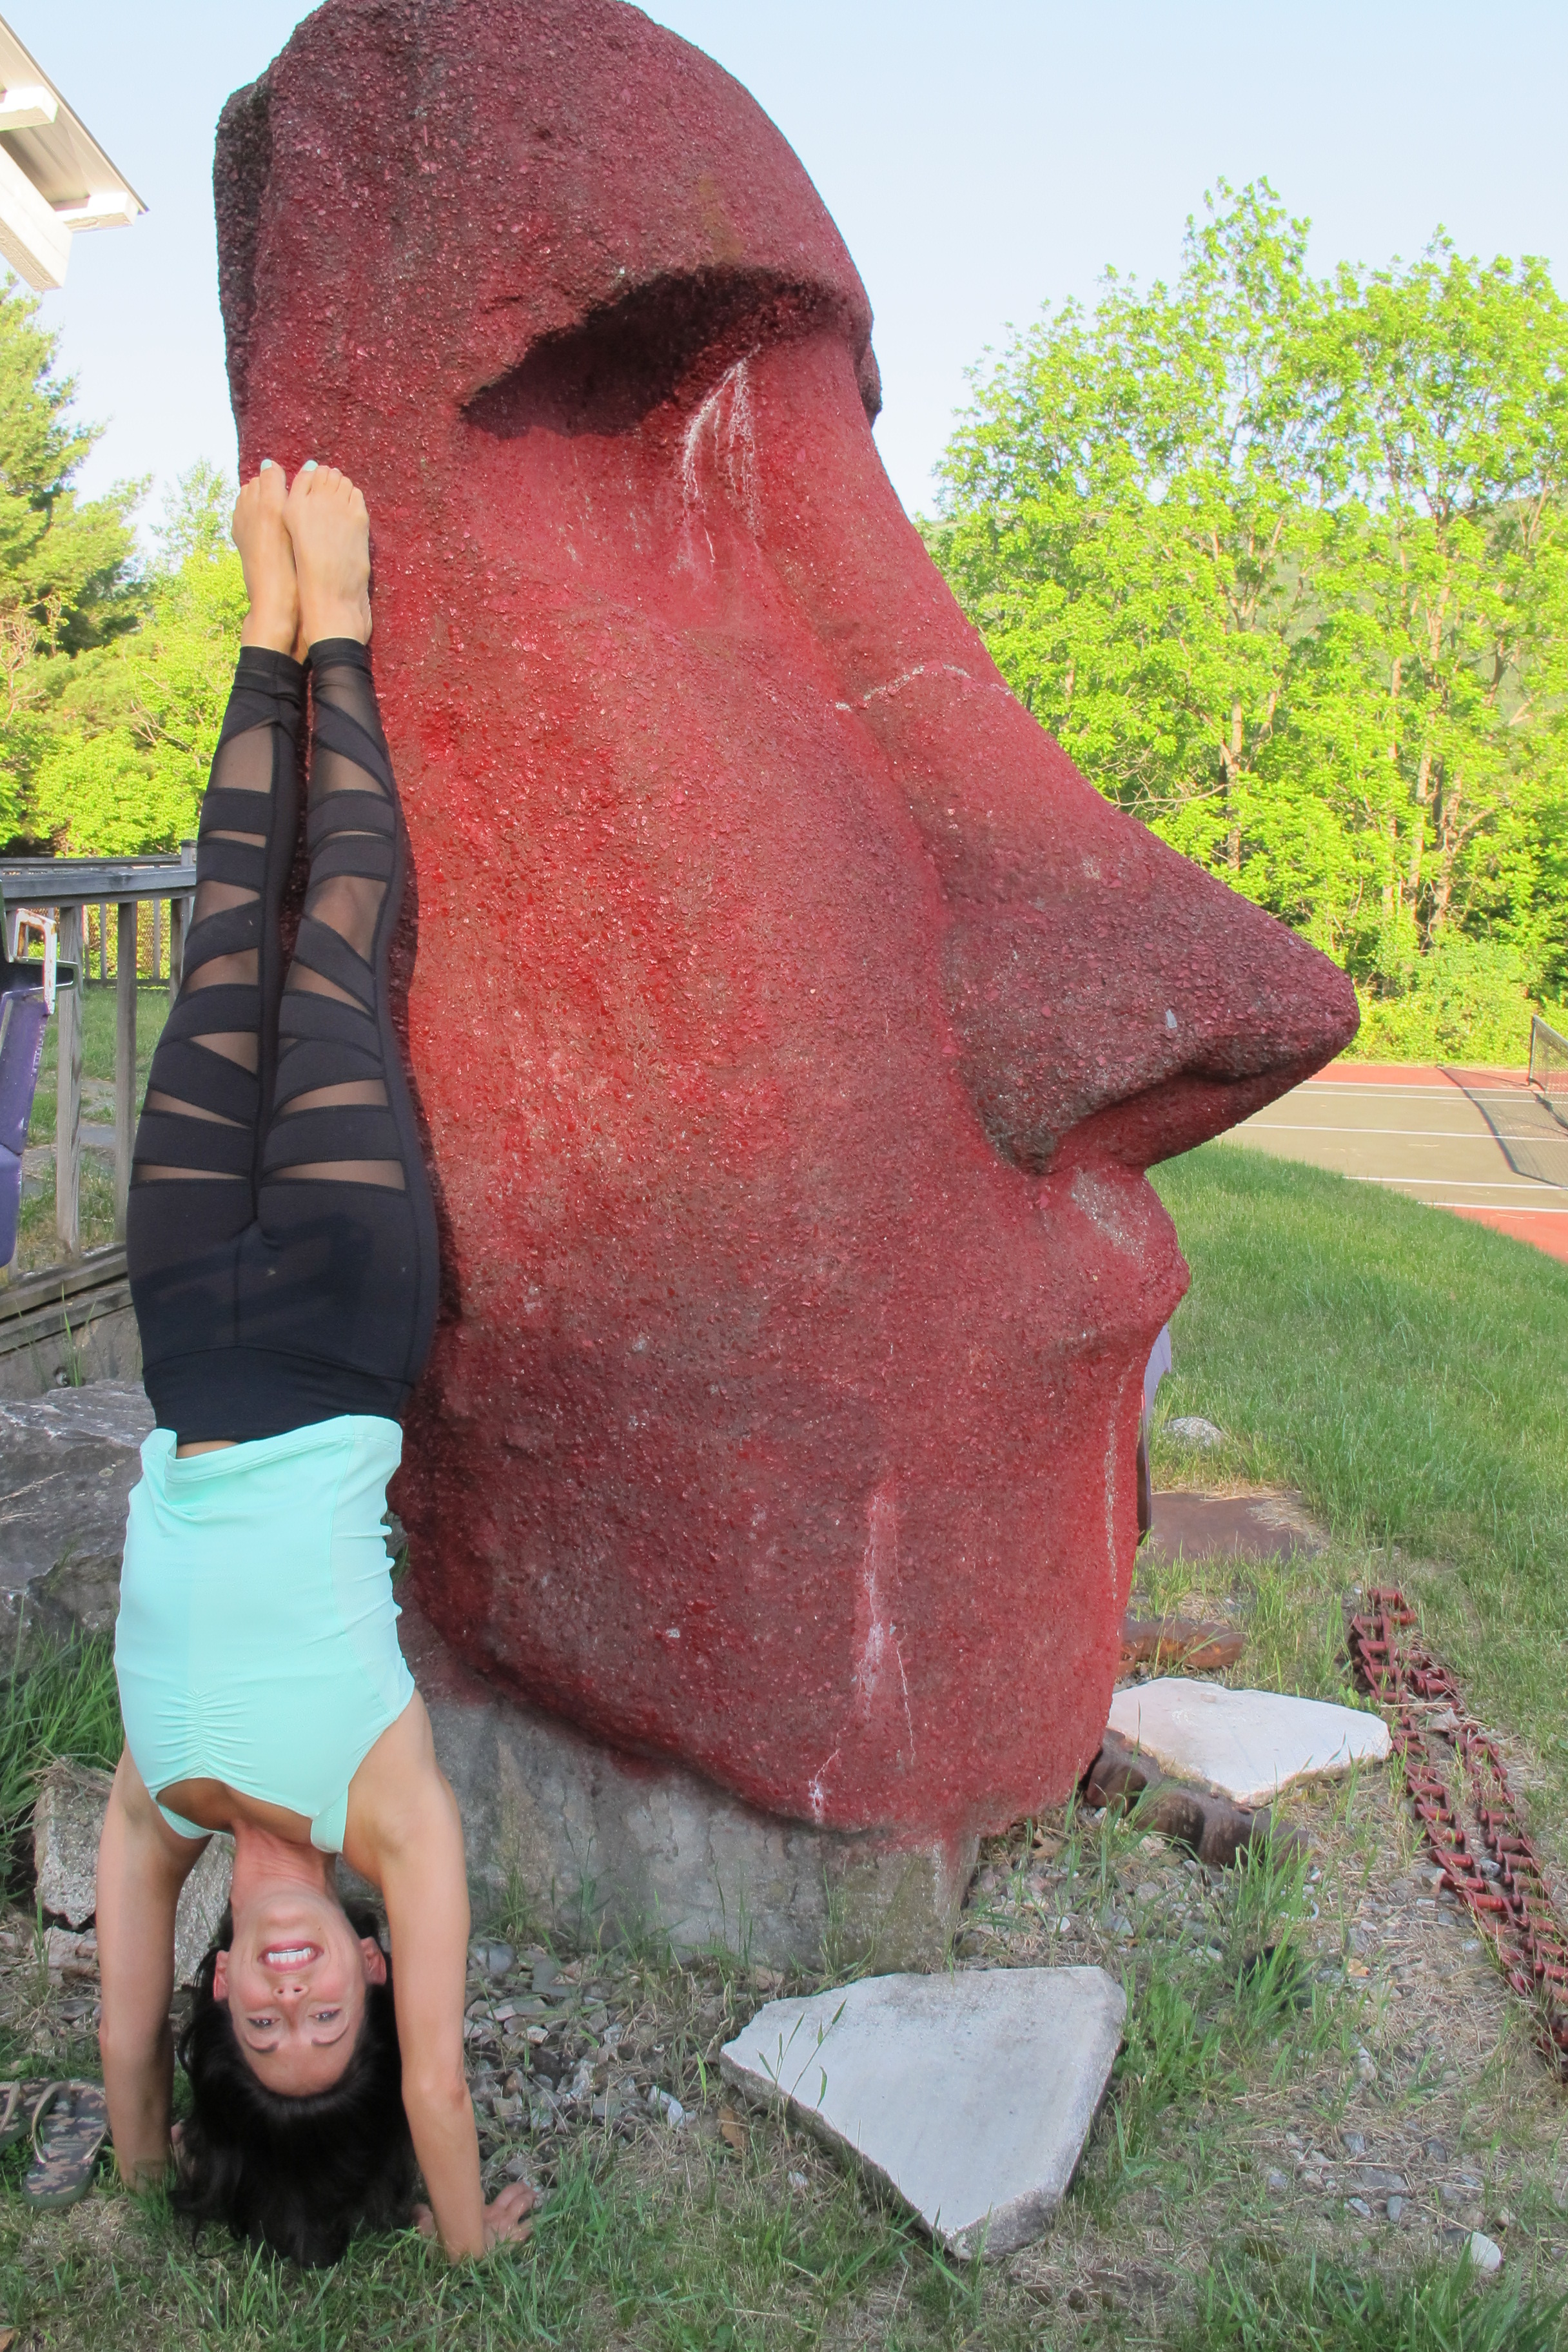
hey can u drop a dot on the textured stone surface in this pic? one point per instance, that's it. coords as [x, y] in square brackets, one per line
[1245, 1745]
[969, 2095]
[68, 1462]
[68, 1815]
[791, 1023]
[67, 1820]
[601, 1842]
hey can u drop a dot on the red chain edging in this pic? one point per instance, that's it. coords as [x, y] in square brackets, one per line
[1509, 1903]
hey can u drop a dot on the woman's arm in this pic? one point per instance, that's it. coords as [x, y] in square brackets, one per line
[141, 1866]
[403, 1813]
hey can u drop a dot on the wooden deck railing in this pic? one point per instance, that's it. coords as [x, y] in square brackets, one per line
[66, 888]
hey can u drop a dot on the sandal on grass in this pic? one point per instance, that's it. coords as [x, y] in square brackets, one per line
[17, 2101]
[71, 2124]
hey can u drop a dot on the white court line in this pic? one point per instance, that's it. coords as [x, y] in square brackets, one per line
[1261, 1126]
[1466, 1185]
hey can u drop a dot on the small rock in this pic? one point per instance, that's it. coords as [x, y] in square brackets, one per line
[1452, 2198]
[1359, 2205]
[1365, 2068]
[204, 1899]
[1149, 1892]
[67, 1818]
[1435, 2152]
[1379, 2175]
[970, 2096]
[1246, 1745]
[1394, 2207]
[667, 2106]
[492, 1960]
[63, 1944]
[1192, 1429]
[1353, 2143]
[1486, 2254]
[1276, 2184]
[797, 2181]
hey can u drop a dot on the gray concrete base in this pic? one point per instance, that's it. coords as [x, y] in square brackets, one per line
[584, 1840]
[589, 1842]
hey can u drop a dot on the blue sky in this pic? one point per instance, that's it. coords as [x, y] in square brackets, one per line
[980, 159]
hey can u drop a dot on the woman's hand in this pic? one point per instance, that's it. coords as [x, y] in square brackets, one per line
[509, 2218]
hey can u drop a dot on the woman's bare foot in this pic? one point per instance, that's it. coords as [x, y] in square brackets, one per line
[266, 553]
[331, 530]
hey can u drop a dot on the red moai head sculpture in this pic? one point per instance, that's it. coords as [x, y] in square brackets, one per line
[792, 1023]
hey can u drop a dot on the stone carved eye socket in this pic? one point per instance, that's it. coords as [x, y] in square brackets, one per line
[668, 342]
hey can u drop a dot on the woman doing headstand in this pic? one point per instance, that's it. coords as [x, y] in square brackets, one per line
[283, 1264]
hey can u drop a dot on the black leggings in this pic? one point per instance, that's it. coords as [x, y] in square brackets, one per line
[281, 1233]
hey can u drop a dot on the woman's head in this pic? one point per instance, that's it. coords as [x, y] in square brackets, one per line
[295, 1974]
[299, 2170]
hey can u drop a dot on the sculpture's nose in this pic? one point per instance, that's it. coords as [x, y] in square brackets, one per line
[1115, 997]
[1106, 992]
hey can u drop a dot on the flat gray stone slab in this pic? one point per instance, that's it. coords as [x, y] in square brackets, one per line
[68, 1462]
[970, 2096]
[1245, 1745]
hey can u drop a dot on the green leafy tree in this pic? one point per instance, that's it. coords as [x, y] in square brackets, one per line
[1281, 563]
[142, 714]
[65, 574]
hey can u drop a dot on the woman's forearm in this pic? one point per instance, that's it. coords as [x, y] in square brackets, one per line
[441, 2119]
[138, 1889]
[139, 2083]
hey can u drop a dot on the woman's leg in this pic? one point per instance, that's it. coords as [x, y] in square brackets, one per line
[198, 1144]
[343, 1188]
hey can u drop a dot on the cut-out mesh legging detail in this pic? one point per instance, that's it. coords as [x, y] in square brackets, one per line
[280, 1234]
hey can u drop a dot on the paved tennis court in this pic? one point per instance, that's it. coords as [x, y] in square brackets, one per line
[1477, 1143]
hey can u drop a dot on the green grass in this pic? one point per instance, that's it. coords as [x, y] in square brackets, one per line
[66, 1704]
[1330, 2309]
[1405, 1369]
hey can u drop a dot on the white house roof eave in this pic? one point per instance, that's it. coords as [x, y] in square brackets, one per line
[55, 178]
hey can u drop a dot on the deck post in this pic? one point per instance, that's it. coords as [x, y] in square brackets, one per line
[68, 1093]
[177, 945]
[125, 1058]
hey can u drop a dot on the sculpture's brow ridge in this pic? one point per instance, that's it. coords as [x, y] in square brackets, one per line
[673, 335]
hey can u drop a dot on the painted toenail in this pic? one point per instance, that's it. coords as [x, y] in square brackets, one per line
[265, 465]
[308, 467]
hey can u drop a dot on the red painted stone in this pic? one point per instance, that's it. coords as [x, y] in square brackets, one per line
[793, 1022]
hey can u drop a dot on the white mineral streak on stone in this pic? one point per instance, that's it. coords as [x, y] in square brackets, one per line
[817, 1787]
[969, 2095]
[1110, 1480]
[726, 423]
[1242, 1744]
[1103, 1204]
[879, 1637]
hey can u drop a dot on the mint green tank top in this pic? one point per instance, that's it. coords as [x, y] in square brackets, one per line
[257, 1640]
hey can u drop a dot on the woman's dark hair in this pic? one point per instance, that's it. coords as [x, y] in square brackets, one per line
[298, 2175]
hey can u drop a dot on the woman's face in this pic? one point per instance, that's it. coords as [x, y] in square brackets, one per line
[294, 1977]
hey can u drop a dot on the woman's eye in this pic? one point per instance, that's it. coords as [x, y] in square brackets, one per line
[327, 2016]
